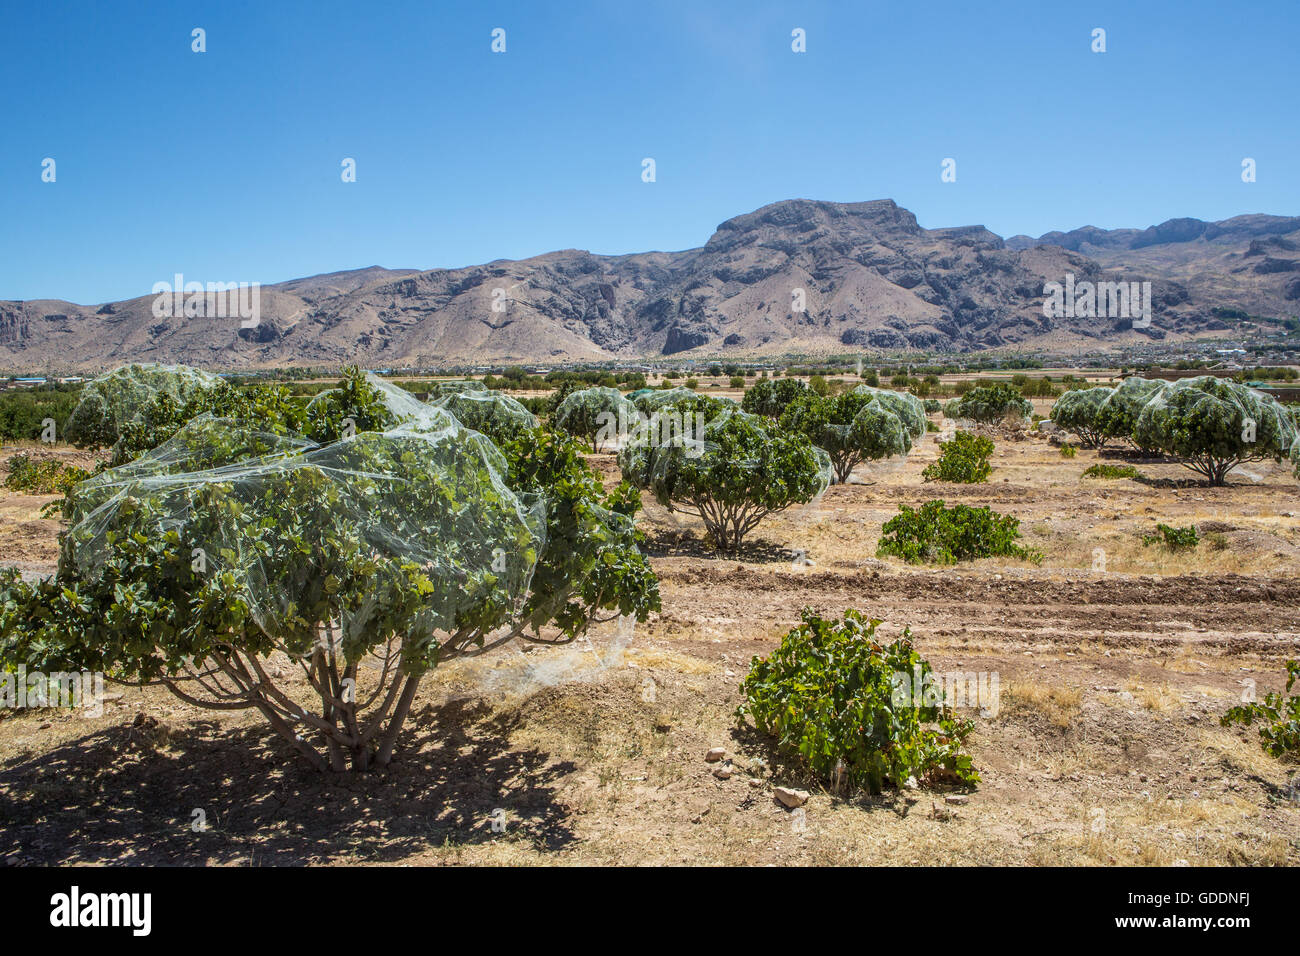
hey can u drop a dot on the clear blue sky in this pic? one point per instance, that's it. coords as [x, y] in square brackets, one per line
[225, 165]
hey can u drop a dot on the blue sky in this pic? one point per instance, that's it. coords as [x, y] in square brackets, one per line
[225, 165]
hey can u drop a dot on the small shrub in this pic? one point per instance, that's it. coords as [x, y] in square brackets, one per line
[934, 534]
[737, 381]
[1112, 471]
[840, 700]
[43, 477]
[1068, 450]
[965, 459]
[1217, 540]
[1175, 539]
[1279, 715]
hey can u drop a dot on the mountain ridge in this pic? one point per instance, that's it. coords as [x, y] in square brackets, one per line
[798, 275]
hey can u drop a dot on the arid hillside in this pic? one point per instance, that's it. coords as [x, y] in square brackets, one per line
[798, 276]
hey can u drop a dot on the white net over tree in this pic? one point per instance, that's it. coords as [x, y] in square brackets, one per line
[110, 401]
[1211, 425]
[909, 409]
[492, 413]
[404, 540]
[597, 414]
[311, 538]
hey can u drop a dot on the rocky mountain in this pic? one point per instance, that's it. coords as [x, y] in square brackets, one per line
[1250, 263]
[798, 276]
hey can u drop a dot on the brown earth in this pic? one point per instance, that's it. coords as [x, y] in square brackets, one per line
[1105, 748]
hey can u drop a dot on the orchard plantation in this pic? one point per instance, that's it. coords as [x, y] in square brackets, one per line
[367, 536]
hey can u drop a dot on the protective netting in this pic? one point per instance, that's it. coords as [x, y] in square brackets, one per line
[1212, 419]
[109, 401]
[906, 407]
[857, 426]
[439, 389]
[527, 668]
[600, 413]
[680, 398]
[876, 429]
[395, 405]
[1078, 411]
[353, 534]
[771, 397]
[1118, 415]
[989, 404]
[492, 413]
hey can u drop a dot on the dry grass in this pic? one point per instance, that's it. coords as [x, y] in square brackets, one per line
[1058, 706]
[1159, 699]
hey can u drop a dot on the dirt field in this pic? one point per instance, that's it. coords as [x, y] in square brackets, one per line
[1105, 748]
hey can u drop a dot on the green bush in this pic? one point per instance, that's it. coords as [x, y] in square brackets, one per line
[836, 698]
[1279, 715]
[965, 459]
[23, 412]
[1175, 539]
[934, 534]
[1112, 471]
[1068, 450]
[989, 404]
[42, 477]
